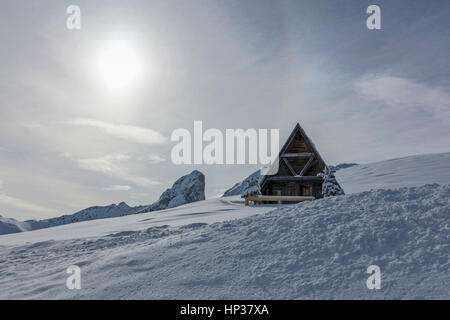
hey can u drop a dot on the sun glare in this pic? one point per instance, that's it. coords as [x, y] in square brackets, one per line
[119, 66]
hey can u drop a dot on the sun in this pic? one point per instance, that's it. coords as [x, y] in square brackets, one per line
[119, 66]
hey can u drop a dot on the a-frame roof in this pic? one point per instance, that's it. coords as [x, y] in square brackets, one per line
[315, 154]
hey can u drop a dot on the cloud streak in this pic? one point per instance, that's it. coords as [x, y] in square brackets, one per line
[130, 133]
[404, 93]
[109, 165]
[117, 188]
[19, 203]
[153, 158]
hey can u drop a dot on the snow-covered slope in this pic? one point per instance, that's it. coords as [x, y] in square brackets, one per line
[341, 166]
[208, 211]
[318, 250]
[402, 172]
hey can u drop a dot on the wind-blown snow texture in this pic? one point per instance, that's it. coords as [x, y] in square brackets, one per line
[318, 250]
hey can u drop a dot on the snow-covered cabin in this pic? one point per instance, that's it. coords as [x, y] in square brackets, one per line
[299, 163]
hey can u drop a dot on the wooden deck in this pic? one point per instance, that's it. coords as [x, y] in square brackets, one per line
[278, 199]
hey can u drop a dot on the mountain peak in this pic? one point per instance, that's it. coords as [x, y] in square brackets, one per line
[123, 204]
[189, 188]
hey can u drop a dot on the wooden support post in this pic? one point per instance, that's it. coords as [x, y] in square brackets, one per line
[279, 194]
[246, 201]
[307, 165]
[286, 161]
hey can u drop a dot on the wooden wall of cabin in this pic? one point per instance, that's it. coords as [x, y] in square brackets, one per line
[313, 188]
[299, 145]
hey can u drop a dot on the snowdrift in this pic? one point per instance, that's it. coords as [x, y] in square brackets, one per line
[315, 250]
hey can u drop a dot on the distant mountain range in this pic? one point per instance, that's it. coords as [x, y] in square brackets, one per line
[240, 186]
[187, 189]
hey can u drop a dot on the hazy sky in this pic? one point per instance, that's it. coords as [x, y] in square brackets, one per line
[68, 141]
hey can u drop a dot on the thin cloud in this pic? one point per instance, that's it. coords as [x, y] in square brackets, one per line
[109, 165]
[117, 188]
[403, 93]
[105, 164]
[19, 203]
[153, 158]
[134, 134]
